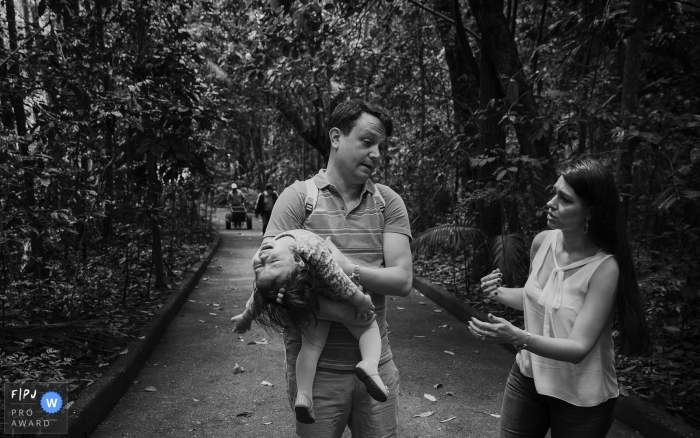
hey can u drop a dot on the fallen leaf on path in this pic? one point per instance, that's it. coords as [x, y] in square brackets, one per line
[201, 320]
[269, 422]
[495, 415]
[449, 419]
[476, 351]
[437, 385]
[124, 351]
[425, 414]
[215, 314]
[437, 310]
[215, 304]
[443, 326]
[263, 342]
[142, 337]
[192, 301]
[195, 399]
[238, 369]
[244, 414]
[449, 352]
[416, 336]
[266, 383]
[430, 397]
[421, 302]
[205, 279]
[219, 268]
[394, 299]
[400, 308]
[150, 389]
[451, 393]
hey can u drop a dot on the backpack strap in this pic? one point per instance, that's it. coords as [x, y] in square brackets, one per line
[311, 196]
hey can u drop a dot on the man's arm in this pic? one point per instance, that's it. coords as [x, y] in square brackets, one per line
[396, 278]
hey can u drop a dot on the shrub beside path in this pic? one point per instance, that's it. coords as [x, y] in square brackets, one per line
[191, 386]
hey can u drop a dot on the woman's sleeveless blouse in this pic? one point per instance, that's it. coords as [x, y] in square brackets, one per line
[551, 312]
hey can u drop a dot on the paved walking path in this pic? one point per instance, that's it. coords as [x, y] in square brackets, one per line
[199, 394]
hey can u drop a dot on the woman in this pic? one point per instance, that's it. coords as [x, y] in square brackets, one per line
[581, 278]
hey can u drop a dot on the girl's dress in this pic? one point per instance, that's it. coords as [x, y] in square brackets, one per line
[332, 281]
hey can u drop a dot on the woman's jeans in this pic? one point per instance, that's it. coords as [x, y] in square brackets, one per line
[525, 413]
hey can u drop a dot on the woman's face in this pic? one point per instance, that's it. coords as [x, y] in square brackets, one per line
[566, 211]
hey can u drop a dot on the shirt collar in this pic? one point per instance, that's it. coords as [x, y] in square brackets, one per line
[321, 182]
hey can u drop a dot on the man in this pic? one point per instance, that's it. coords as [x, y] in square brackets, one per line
[235, 198]
[263, 206]
[369, 240]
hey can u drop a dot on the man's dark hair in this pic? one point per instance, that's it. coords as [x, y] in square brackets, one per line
[268, 186]
[346, 114]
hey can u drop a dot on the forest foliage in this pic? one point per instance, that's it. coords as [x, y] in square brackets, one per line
[120, 118]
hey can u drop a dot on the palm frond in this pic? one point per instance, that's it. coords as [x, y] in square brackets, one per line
[509, 254]
[446, 237]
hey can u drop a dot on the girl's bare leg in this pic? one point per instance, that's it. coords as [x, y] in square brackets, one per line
[370, 342]
[371, 350]
[312, 343]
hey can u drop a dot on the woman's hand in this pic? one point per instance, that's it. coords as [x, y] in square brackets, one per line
[491, 283]
[497, 330]
[345, 264]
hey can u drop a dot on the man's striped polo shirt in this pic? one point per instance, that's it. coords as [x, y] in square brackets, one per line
[356, 230]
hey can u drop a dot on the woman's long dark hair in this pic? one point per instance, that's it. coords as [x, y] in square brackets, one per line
[299, 307]
[595, 184]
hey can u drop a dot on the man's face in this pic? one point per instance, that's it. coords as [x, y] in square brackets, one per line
[358, 152]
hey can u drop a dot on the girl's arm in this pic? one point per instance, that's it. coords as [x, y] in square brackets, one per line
[314, 251]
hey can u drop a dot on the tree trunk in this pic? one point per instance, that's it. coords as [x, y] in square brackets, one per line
[316, 136]
[154, 191]
[629, 103]
[462, 67]
[498, 44]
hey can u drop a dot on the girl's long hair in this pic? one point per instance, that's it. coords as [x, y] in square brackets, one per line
[595, 184]
[299, 307]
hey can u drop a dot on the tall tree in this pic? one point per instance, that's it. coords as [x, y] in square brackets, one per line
[630, 99]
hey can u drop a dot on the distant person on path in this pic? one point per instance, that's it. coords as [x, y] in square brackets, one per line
[289, 271]
[235, 198]
[369, 223]
[581, 280]
[265, 203]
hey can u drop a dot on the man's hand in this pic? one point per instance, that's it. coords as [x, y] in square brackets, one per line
[365, 310]
[240, 325]
[345, 264]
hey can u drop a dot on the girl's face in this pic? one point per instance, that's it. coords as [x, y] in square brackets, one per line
[566, 211]
[273, 261]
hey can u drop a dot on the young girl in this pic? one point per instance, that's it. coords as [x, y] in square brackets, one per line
[289, 271]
